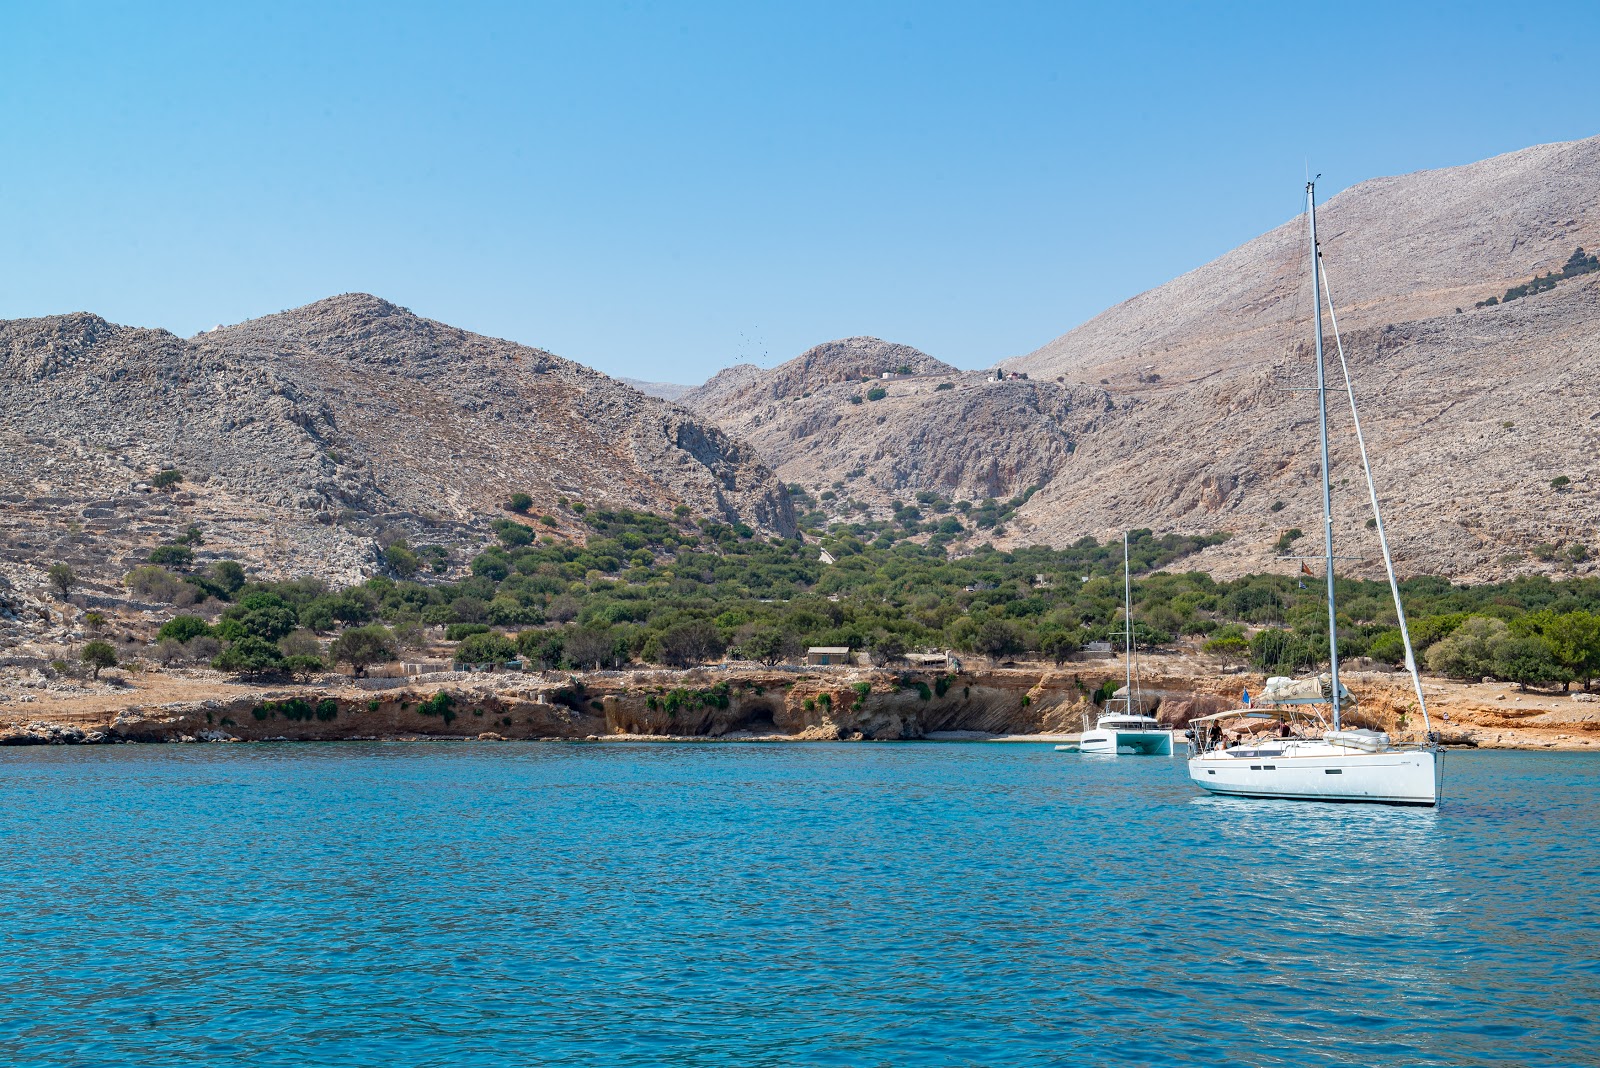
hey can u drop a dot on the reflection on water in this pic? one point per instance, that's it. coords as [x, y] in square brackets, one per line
[460, 904]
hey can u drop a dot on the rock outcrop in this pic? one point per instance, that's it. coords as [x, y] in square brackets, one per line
[963, 435]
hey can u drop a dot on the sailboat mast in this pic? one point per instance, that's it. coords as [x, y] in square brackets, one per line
[1327, 486]
[1127, 624]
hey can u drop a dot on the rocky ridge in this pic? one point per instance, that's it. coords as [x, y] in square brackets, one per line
[303, 436]
[961, 434]
[1399, 249]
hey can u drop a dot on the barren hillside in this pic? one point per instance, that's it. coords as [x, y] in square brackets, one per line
[1399, 249]
[1171, 410]
[963, 435]
[1470, 419]
[302, 436]
[1471, 412]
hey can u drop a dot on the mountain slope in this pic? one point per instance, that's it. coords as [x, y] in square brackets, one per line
[318, 428]
[962, 435]
[1469, 419]
[1170, 410]
[1470, 412]
[1400, 249]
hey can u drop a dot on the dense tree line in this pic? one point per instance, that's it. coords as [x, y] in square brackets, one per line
[672, 591]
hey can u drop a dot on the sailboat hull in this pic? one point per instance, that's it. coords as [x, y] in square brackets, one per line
[1326, 773]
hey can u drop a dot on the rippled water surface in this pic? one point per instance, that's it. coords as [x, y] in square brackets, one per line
[868, 904]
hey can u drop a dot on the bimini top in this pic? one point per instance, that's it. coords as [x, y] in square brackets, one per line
[1286, 712]
[1285, 691]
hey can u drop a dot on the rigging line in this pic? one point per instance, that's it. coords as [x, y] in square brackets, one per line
[1377, 512]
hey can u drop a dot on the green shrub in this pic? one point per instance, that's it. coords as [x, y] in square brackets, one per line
[62, 577]
[172, 555]
[455, 632]
[401, 560]
[877, 393]
[302, 665]
[229, 575]
[519, 502]
[261, 614]
[98, 656]
[438, 705]
[361, 647]
[512, 534]
[167, 479]
[249, 655]
[490, 648]
[182, 628]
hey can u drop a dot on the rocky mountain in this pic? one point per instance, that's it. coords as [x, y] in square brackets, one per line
[1175, 410]
[301, 437]
[1398, 249]
[1471, 412]
[1481, 428]
[963, 435]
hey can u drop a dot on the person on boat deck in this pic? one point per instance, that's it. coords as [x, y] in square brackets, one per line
[1283, 729]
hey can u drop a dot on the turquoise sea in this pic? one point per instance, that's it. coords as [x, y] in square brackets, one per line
[470, 904]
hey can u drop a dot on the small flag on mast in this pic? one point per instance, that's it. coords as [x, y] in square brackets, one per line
[1305, 569]
[1245, 697]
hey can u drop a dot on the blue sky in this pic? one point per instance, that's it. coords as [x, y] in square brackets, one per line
[660, 190]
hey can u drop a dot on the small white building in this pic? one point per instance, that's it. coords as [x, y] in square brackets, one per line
[945, 661]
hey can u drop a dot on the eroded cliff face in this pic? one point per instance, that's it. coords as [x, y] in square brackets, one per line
[850, 705]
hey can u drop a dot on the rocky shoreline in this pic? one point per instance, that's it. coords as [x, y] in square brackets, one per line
[729, 703]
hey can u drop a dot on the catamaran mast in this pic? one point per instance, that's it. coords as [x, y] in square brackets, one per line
[1327, 486]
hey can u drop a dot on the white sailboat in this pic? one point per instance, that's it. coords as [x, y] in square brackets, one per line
[1127, 732]
[1310, 757]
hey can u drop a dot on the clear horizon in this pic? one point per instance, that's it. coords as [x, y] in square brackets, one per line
[660, 191]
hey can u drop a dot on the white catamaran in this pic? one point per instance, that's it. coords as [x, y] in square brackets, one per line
[1128, 731]
[1309, 757]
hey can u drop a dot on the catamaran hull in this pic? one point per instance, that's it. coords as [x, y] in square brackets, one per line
[1394, 777]
[1126, 743]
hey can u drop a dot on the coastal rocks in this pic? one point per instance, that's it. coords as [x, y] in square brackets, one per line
[47, 733]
